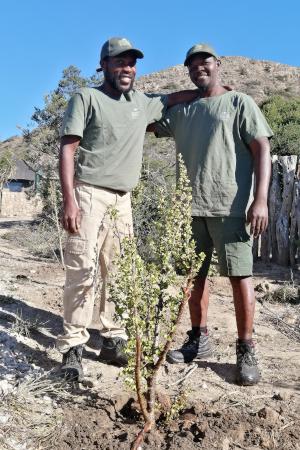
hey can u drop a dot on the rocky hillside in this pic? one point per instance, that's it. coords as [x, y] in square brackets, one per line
[13, 144]
[260, 79]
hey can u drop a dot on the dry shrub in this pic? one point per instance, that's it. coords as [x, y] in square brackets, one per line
[284, 294]
[39, 238]
[28, 419]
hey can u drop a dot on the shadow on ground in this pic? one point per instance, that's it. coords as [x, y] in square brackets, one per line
[6, 223]
[43, 327]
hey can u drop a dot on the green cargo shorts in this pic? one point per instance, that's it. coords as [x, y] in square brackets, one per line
[230, 237]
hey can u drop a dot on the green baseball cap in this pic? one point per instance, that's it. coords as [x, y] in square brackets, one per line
[200, 48]
[115, 46]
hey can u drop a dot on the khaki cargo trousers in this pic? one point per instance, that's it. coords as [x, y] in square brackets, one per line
[89, 256]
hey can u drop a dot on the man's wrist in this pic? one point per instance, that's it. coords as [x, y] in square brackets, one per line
[68, 200]
[261, 199]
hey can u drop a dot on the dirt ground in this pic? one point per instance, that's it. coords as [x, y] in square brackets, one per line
[102, 414]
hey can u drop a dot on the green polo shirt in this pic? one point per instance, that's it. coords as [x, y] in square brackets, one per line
[112, 135]
[213, 136]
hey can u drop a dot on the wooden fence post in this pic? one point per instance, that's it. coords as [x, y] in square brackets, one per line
[274, 207]
[288, 166]
[281, 242]
[295, 218]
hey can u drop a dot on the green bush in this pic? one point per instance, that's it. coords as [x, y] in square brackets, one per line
[283, 115]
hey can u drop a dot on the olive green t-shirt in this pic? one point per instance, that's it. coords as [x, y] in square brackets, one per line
[213, 136]
[112, 135]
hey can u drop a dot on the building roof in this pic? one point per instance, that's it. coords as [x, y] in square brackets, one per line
[22, 171]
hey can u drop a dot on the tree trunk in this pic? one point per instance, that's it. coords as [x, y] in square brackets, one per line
[266, 246]
[255, 249]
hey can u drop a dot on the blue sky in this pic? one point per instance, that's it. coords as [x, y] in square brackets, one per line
[40, 38]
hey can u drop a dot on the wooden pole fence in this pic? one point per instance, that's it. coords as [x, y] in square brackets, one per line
[281, 241]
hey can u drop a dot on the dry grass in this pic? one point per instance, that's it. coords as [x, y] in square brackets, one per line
[30, 420]
[24, 327]
[287, 320]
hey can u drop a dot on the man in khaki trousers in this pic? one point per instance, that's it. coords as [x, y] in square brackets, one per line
[106, 125]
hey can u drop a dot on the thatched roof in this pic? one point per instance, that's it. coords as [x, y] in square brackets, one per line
[22, 172]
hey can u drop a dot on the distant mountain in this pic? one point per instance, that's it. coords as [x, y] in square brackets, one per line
[260, 79]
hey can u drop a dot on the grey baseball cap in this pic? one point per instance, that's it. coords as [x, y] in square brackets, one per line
[117, 45]
[200, 48]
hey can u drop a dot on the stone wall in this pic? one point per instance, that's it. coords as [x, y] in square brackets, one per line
[17, 204]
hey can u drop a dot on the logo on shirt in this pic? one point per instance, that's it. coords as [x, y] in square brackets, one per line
[224, 115]
[135, 113]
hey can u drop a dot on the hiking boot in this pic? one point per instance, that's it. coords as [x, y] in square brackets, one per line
[71, 367]
[112, 351]
[194, 348]
[247, 372]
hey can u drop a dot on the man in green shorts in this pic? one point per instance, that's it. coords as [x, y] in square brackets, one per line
[222, 136]
[106, 125]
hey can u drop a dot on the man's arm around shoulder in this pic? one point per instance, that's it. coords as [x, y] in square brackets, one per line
[187, 96]
[182, 97]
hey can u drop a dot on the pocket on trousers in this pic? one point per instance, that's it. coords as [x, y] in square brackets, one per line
[76, 246]
[239, 259]
[83, 194]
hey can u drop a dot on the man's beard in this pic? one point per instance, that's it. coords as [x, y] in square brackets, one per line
[114, 82]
